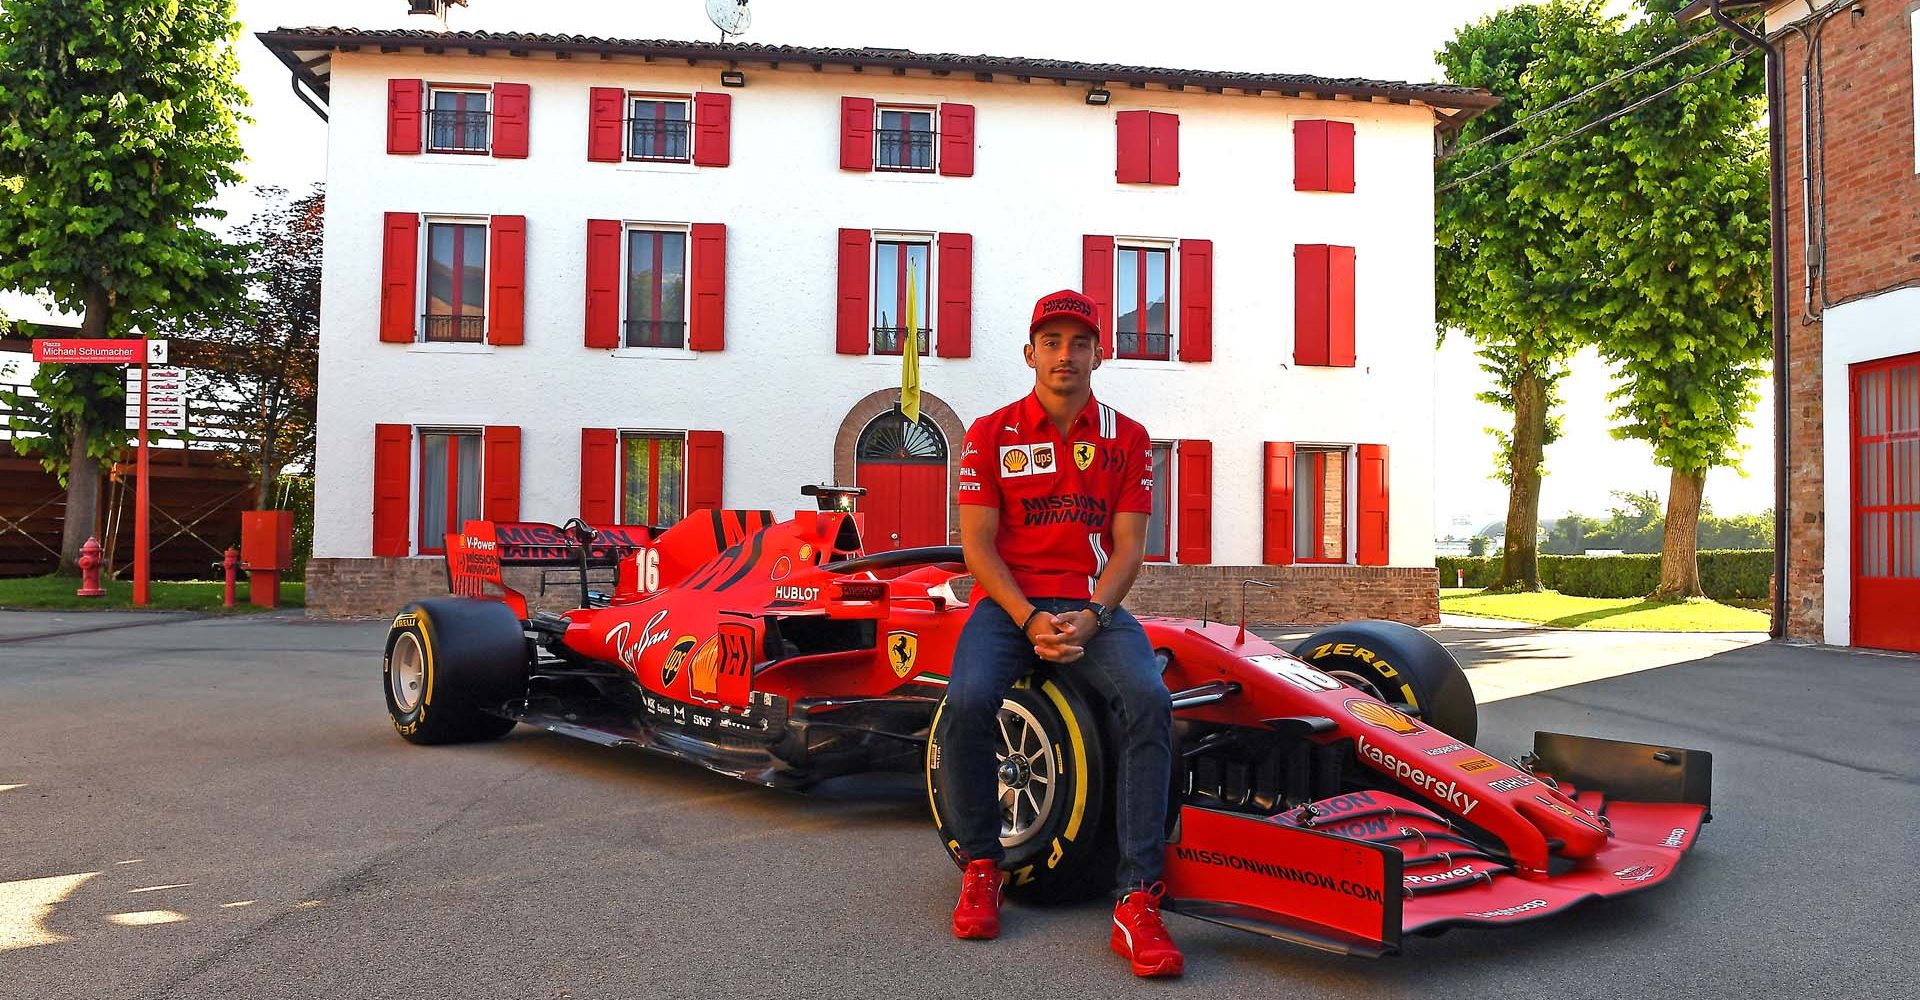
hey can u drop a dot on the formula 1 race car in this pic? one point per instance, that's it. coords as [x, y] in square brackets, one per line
[1330, 795]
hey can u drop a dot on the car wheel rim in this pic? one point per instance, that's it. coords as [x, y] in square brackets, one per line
[1359, 683]
[1028, 774]
[406, 672]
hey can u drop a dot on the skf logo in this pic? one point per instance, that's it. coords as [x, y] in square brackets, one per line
[1083, 452]
[903, 648]
[670, 667]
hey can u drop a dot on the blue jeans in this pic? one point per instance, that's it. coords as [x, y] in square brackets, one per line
[991, 654]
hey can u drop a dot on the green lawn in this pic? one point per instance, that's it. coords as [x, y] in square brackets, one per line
[56, 592]
[1628, 614]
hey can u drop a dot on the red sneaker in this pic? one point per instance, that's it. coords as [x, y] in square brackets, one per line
[1140, 938]
[978, 915]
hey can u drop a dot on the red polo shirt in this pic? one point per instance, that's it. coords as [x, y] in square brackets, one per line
[1057, 496]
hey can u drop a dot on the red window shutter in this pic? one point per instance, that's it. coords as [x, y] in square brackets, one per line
[1163, 148]
[1310, 304]
[1096, 282]
[392, 475]
[853, 331]
[1340, 156]
[1194, 477]
[603, 283]
[500, 467]
[1371, 505]
[606, 116]
[1196, 300]
[599, 459]
[708, 329]
[405, 101]
[1132, 128]
[705, 467]
[1340, 300]
[953, 324]
[856, 133]
[1310, 155]
[713, 129]
[956, 140]
[1276, 506]
[399, 276]
[507, 305]
[511, 104]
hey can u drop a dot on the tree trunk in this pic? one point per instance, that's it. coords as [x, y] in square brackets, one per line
[1679, 549]
[1520, 565]
[83, 470]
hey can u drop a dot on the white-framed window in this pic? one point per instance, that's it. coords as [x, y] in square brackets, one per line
[1143, 299]
[454, 285]
[904, 138]
[449, 484]
[653, 477]
[1322, 503]
[660, 128]
[900, 261]
[459, 119]
[1160, 517]
[654, 294]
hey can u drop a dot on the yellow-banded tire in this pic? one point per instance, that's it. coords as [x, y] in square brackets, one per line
[450, 665]
[1398, 663]
[1055, 772]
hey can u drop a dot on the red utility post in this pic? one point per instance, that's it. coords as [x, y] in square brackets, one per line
[141, 584]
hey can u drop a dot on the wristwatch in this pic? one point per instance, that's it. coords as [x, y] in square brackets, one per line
[1102, 614]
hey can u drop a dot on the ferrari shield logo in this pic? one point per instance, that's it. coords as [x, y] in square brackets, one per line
[903, 648]
[1083, 454]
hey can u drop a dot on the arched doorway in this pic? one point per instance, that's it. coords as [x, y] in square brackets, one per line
[903, 467]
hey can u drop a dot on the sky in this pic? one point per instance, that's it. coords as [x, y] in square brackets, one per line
[1383, 39]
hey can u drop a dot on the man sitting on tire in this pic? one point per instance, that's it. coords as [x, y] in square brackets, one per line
[1054, 495]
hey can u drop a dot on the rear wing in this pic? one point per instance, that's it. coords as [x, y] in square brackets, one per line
[478, 552]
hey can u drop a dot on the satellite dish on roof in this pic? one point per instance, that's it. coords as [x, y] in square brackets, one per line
[731, 16]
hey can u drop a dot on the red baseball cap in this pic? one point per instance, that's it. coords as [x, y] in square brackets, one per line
[1068, 303]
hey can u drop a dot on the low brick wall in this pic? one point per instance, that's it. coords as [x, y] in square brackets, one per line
[1301, 595]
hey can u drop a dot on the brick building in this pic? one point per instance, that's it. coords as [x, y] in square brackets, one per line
[627, 280]
[1847, 248]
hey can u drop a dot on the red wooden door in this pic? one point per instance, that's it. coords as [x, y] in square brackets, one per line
[1886, 503]
[904, 470]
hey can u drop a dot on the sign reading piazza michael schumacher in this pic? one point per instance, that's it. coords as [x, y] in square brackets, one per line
[50, 351]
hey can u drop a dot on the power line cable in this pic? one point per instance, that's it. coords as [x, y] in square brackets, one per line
[1610, 116]
[1516, 123]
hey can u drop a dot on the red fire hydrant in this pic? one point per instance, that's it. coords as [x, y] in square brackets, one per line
[90, 570]
[231, 562]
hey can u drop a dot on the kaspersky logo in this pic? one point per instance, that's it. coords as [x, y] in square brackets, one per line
[1432, 784]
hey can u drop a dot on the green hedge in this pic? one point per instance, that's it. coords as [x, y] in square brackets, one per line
[1725, 574]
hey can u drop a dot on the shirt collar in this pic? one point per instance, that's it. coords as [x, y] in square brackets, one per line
[1033, 416]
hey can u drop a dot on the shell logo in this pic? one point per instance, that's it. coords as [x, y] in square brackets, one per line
[1375, 714]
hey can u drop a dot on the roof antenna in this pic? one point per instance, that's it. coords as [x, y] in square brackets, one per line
[1244, 584]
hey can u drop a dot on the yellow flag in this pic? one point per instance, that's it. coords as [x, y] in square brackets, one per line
[910, 352]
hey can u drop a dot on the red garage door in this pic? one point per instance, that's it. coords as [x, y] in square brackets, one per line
[1886, 503]
[904, 469]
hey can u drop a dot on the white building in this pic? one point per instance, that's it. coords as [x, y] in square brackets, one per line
[625, 280]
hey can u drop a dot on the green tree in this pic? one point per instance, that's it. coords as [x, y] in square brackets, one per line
[1508, 272]
[1671, 205]
[118, 125]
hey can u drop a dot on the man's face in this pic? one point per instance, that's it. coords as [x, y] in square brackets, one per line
[1062, 354]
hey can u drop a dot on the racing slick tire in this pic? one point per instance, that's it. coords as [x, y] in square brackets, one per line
[1059, 834]
[449, 663]
[1398, 663]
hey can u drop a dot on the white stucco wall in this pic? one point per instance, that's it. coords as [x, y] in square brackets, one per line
[1043, 178]
[1883, 326]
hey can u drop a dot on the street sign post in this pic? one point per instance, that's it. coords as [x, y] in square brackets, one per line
[166, 383]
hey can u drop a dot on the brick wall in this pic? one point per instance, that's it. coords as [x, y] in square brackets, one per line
[1302, 595]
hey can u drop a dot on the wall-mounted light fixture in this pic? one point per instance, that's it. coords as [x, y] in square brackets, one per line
[732, 78]
[1098, 96]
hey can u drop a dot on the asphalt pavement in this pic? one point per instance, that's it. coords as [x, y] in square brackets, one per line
[217, 807]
